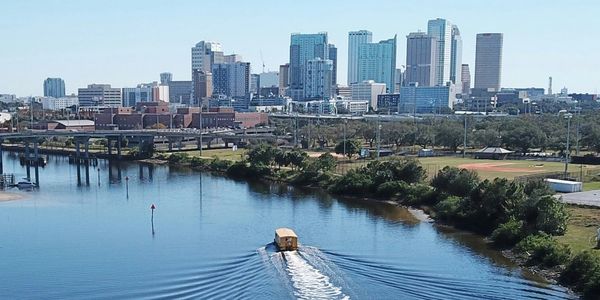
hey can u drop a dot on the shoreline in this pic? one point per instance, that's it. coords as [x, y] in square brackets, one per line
[8, 196]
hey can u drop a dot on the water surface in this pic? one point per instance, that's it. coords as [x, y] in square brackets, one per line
[211, 241]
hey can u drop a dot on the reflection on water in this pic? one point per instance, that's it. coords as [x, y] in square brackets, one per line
[71, 241]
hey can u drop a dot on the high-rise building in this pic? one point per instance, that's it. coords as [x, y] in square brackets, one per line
[180, 92]
[100, 95]
[355, 39]
[254, 83]
[145, 92]
[466, 80]
[232, 58]
[377, 61]
[204, 55]
[303, 48]
[284, 72]
[202, 86]
[399, 78]
[231, 79]
[488, 61]
[367, 90]
[442, 30]
[426, 99]
[456, 59]
[333, 57]
[317, 79]
[421, 59]
[269, 79]
[54, 87]
[165, 78]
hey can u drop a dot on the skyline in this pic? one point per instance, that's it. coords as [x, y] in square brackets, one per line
[124, 44]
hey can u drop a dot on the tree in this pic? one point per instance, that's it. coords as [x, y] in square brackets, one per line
[524, 137]
[325, 162]
[281, 159]
[297, 158]
[454, 181]
[450, 135]
[262, 154]
[352, 147]
[487, 138]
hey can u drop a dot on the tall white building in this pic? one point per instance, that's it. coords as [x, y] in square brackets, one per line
[377, 61]
[488, 61]
[99, 95]
[205, 54]
[367, 90]
[317, 79]
[456, 59]
[442, 30]
[151, 92]
[355, 39]
[51, 103]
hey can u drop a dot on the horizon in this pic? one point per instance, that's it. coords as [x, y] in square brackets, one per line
[124, 44]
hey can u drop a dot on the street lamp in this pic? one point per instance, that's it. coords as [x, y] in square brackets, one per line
[567, 116]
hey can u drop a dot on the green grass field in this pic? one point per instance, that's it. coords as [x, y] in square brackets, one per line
[489, 169]
[581, 230]
[226, 154]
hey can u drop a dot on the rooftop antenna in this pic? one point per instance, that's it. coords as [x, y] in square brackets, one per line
[263, 61]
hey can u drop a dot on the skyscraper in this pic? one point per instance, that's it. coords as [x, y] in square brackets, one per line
[456, 58]
[355, 39]
[333, 57]
[317, 79]
[442, 30]
[165, 78]
[284, 80]
[54, 87]
[204, 55]
[305, 47]
[466, 80]
[231, 79]
[421, 59]
[488, 61]
[100, 95]
[201, 86]
[377, 61]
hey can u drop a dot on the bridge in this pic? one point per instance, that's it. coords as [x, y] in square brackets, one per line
[144, 138]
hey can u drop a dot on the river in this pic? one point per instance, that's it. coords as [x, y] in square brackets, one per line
[210, 239]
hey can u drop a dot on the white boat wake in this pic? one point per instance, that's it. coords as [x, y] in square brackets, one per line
[307, 281]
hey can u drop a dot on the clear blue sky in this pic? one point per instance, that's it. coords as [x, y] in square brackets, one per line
[125, 42]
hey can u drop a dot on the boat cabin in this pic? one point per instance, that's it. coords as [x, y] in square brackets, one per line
[286, 239]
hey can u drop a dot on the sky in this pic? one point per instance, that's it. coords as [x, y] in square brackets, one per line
[127, 42]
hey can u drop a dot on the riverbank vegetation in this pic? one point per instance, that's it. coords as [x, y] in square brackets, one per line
[522, 216]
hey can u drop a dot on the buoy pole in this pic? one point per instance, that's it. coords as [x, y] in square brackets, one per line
[152, 208]
[127, 185]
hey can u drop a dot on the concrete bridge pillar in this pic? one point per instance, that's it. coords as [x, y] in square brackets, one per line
[1, 158]
[119, 142]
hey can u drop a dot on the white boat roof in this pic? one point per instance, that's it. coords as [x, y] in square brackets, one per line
[285, 232]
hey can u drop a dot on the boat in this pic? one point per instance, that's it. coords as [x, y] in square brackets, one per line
[286, 239]
[25, 184]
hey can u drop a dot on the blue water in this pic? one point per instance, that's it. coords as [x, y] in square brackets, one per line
[211, 241]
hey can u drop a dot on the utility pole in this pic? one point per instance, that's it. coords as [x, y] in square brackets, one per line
[567, 150]
[378, 135]
[345, 122]
[465, 138]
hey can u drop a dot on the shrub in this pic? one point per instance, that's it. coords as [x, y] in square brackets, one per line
[449, 208]
[354, 182]
[542, 249]
[197, 162]
[390, 189]
[179, 158]
[417, 194]
[584, 268]
[454, 181]
[220, 165]
[508, 234]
